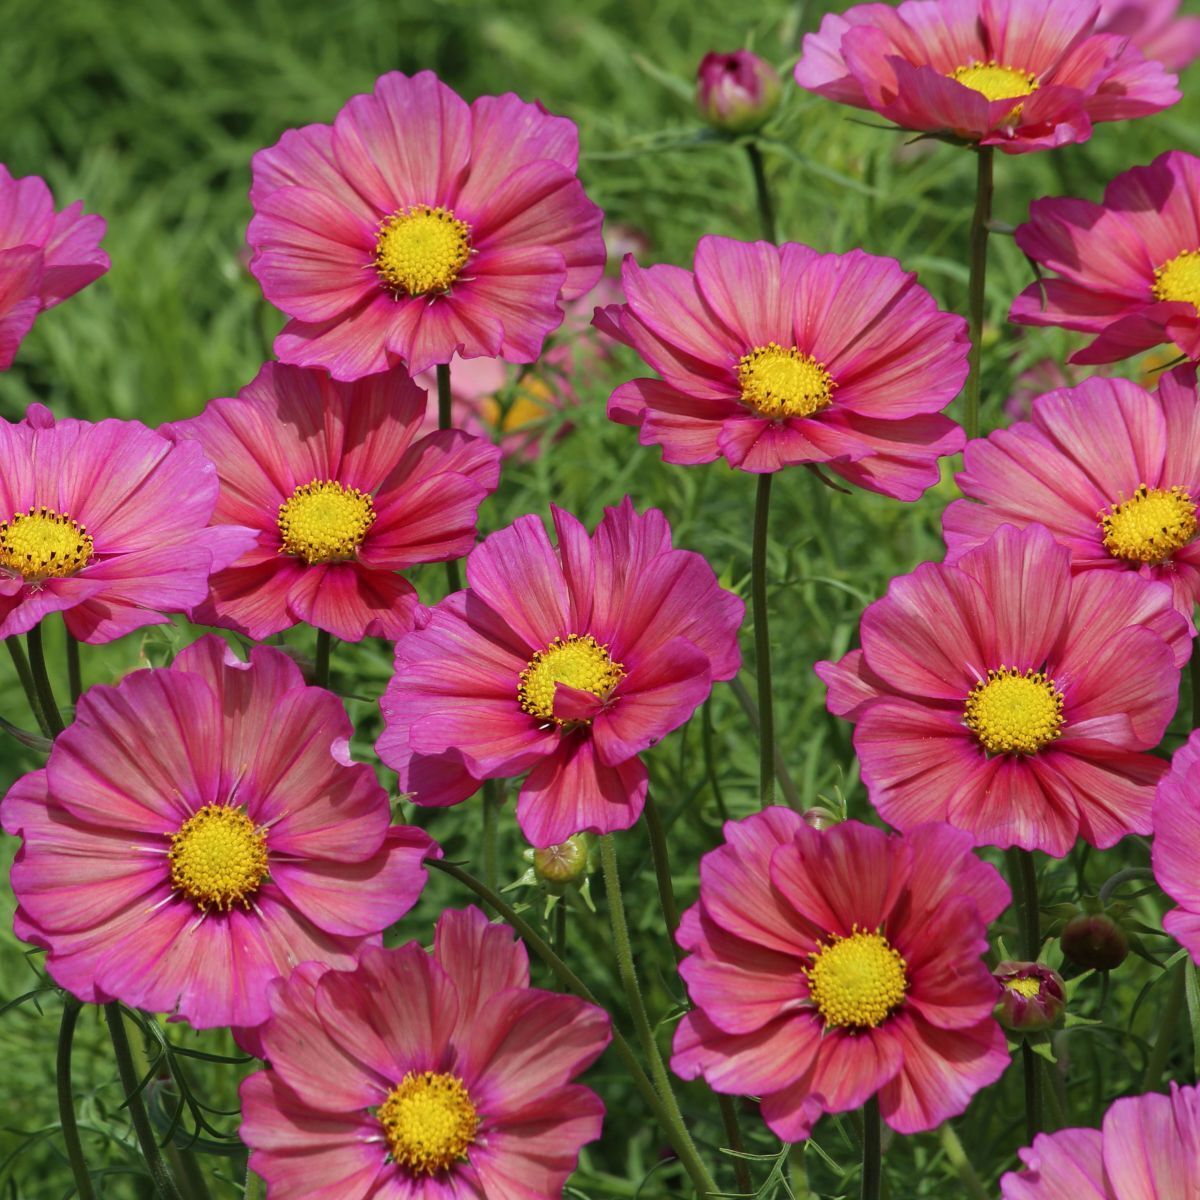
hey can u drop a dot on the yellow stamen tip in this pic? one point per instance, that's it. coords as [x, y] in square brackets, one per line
[996, 82]
[323, 521]
[857, 981]
[1150, 526]
[578, 662]
[1179, 279]
[784, 383]
[1014, 712]
[44, 544]
[218, 857]
[421, 250]
[429, 1122]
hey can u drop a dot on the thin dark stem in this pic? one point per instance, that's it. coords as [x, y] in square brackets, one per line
[1029, 888]
[560, 927]
[1113, 882]
[762, 644]
[41, 682]
[1034, 1121]
[662, 869]
[733, 1135]
[1053, 1101]
[491, 832]
[980, 221]
[321, 662]
[762, 194]
[142, 1129]
[66, 1100]
[1164, 1041]
[710, 758]
[872, 1172]
[446, 421]
[74, 671]
[21, 664]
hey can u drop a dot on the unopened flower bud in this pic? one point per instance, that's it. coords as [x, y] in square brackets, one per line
[819, 818]
[1094, 940]
[1032, 996]
[565, 863]
[737, 92]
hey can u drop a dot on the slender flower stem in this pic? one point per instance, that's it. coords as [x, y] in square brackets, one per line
[491, 831]
[762, 194]
[1034, 1120]
[560, 927]
[66, 1100]
[872, 1170]
[980, 220]
[21, 664]
[786, 784]
[41, 682]
[254, 1187]
[1167, 1023]
[74, 671]
[142, 1129]
[762, 644]
[710, 758]
[733, 1135]
[1053, 1102]
[321, 662]
[670, 1121]
[967, 1174]
[446, 421]
[662, 870]
[1023, 878]
[1029, 889]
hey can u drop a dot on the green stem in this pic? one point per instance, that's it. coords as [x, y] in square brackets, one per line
[321, 662]
[1167, 1024]
[762, 644]
[786, 785]
[958, 1159]
[1113, 882]
[74, 671]
[163, 1182]
[491, 831]
[1034, 1121]
[1053, 1101]
[560, 927]
[254, 1187]
[21, 664]
[1022, 877]
[66, 1100]
[976, 290]
[872, 1169]
[733, 1135]
[662, 869]
[710, 758]
[671, 1124]
[762, 194]
[446, 421]
[41, 682]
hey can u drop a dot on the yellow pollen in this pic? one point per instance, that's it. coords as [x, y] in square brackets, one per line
[218, 857]
[1029, 986]
[429, 1121]
[1014, 712]
[421, 250]
[1179, 279]
[784, 383]
[323, 521]
[1150, 526]
[996, 82]
[856, 981]
[579, 662]
[44, 544]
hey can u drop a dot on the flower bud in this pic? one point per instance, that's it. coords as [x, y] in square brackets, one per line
[819, 818]
[1032, 996]
[565, 863]
[737, 92]
[1094, 940]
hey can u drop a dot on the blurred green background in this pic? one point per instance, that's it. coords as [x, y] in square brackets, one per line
[150, 111]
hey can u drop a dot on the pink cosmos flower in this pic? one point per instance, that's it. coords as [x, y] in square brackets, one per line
[1147, 1149]
[565, 662]
[826, 968]
[45, 256]
[771, 356]
[342, 493]
[1155, 28]
[198, 831]
[1009, 73]
[1177, 843]
[1108, 468]
[1012, 699]
[430, 1076]
[417, 226]
[105, 523]
[1127, 270]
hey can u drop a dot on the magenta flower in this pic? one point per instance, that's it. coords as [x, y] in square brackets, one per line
[45, 256]
[566, 663]
[198, 831]
[105, 523]
[826, 968]
[1032, 996]
[417, 226]
[1007, 73]
[416, 1075]
[771, 356]
[342, 493]
[1147, 1149]
[737, 92]
[1177, 843]
[1127, 270]
[1012, 699]
[1108, 468]
[1155, 28]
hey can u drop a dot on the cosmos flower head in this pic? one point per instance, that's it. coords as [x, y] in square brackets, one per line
[200, 830]
[775, 356]
[431, 1075]
[417, 226]
[563, 661]
[1007, 73]
[828, 967]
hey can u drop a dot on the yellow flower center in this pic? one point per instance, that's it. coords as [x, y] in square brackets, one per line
[1179, 279]
[429, 1122]
[579, 662]
[323, 521]
[784, 383]
[218, 857]
[1014, 712]
[857, 981]
[1150, 526]
[420, 250]
[533, 403]
[1029, 986]
[996, 82]
[44, 544]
